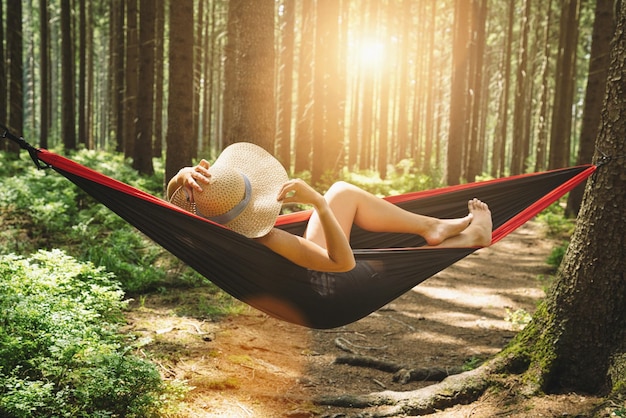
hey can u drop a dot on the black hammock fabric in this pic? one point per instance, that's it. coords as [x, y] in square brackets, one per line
[263, 279]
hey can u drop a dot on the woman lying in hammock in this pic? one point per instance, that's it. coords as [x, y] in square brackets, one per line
[245, 188]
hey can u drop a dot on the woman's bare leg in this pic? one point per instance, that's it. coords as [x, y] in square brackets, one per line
[352, 205]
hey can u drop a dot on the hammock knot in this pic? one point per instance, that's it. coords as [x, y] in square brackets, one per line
[32, 151]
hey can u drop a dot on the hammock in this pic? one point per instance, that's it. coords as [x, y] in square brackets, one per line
[265, 280]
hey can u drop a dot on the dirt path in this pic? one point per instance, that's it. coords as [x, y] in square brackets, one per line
[254, 366]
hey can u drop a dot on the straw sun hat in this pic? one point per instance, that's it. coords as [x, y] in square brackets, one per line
[244, 184]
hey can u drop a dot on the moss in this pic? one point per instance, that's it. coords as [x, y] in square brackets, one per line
[215, 384]
[617, 372]
[532, 351]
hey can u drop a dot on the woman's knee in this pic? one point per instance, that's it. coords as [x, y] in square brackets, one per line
[340, 189]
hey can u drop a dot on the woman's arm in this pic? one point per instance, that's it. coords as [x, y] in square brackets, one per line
[336, 256]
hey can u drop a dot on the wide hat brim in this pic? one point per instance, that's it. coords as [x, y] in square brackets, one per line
[266, 176]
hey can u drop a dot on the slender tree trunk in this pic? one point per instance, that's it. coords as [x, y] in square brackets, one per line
[458, 95]
[44, 73]
[499, 149]
[68, 124]
[83, 127]
[431, 132]
[368, 103]
[598, 65]
[198, 62]
[475, 155]
[157, 146]
[117, 68]
[3, 76]
[519, 151]
[180, 105]
[131, 77]
[542, 128]
[564, 89]
[402, 92]
[285, 85]
[327, 141]
[304, 120]
[142, 152]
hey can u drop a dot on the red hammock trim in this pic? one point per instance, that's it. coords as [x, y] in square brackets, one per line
[541, 204]
[499, 233]
[528, 213]
[65, 164]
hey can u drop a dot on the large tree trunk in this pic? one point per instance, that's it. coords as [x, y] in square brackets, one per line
[249, 111]
[579, 334]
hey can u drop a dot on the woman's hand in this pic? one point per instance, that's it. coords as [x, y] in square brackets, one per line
[191, 178]
[298, 191]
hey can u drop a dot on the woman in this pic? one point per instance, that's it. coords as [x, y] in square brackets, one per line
[245, 188]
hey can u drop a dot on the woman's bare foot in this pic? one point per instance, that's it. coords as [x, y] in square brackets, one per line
[481, 227]
[447, 228]
[477, 234]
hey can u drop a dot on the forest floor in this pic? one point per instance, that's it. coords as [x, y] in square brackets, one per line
[250, 365]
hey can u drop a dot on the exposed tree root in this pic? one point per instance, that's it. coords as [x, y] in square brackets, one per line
[402, 374]
[457, 389]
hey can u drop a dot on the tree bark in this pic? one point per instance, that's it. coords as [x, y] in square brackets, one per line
[458, 95]
[68, 126]
[603, 28]
[560, 140]
[285, 85]
[304, 118]
[131, 77]
[587, 305]
[44, 74]
[519, 153]
[249, 105]
[117, 71]
[327, 141]
[180, 104]
[142, 152]
[3, 75]
[576, 339]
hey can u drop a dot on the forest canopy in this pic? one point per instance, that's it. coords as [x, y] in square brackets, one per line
[457, 88]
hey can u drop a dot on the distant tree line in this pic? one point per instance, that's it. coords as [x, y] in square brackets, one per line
[460, 87]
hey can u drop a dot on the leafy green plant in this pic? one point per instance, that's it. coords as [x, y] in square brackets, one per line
[518, 318]
[557, 224]
[60, 352]
[556, 255]
[45, 210]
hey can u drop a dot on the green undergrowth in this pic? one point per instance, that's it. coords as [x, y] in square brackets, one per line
[559, 227]
[43, 210]
[61, 353]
